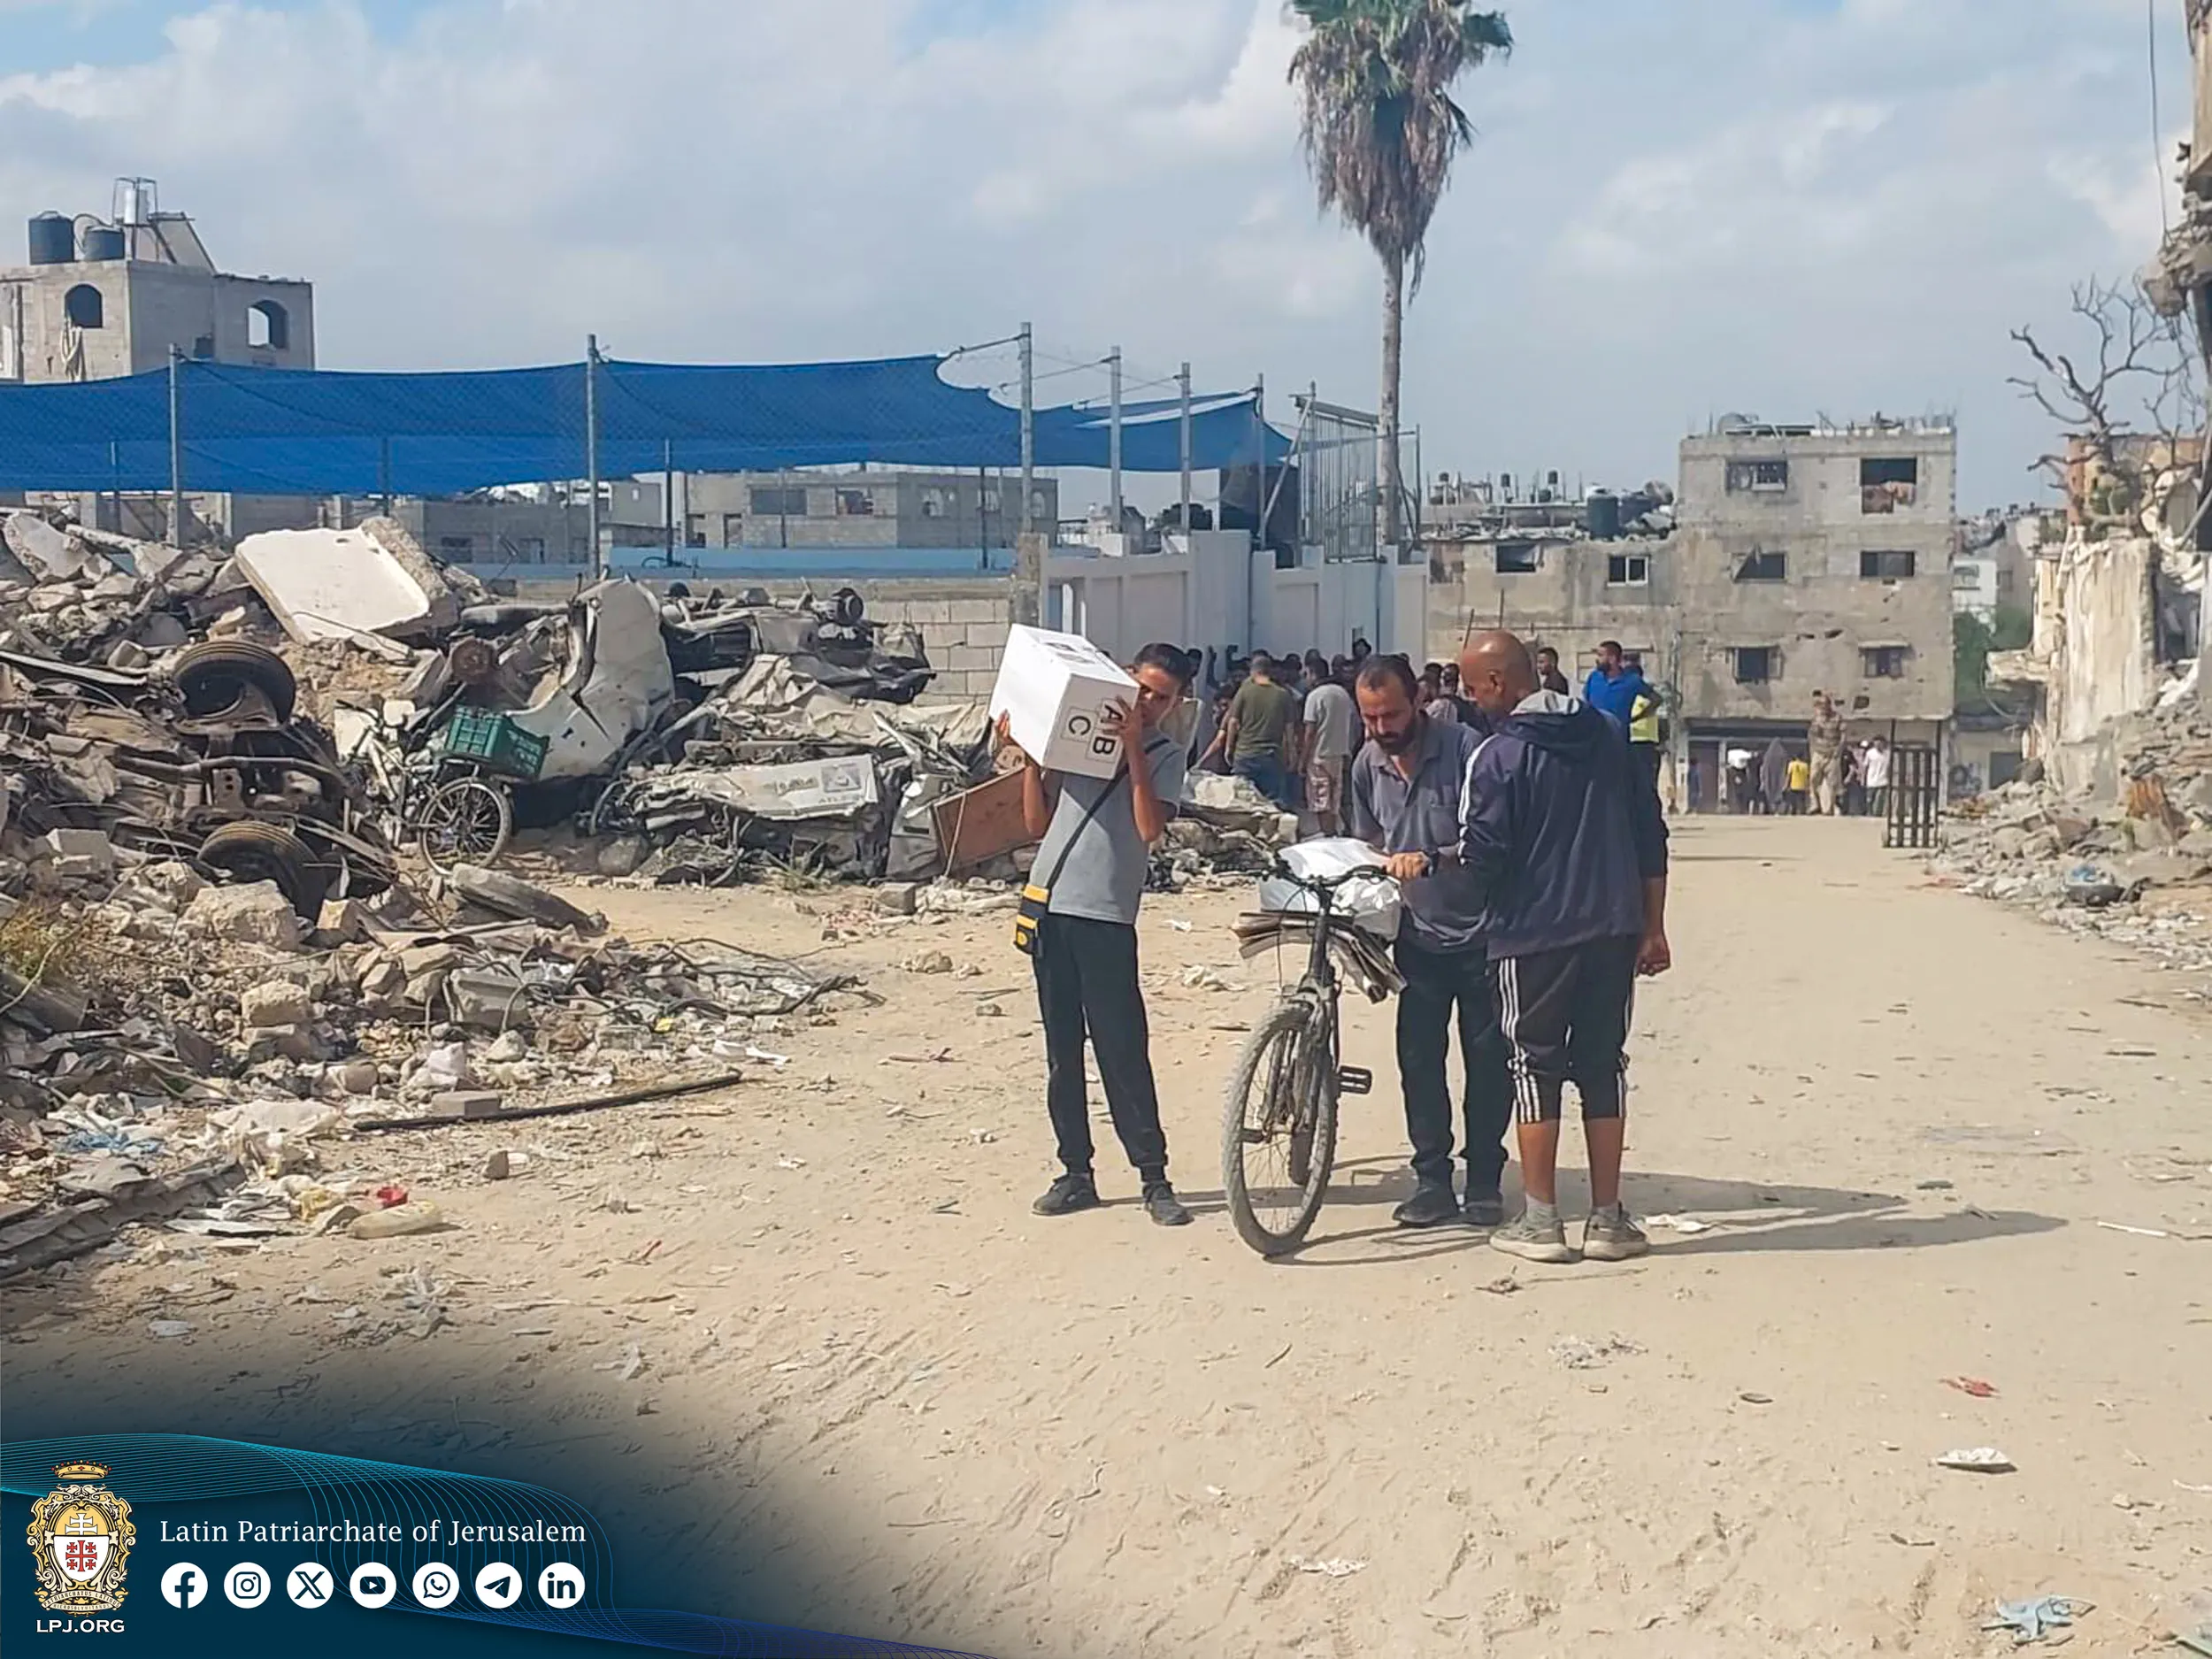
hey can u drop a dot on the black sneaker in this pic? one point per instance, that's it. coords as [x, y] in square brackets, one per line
[1068, 1194]
[1429, 1207]
[1484, 1209]
[1166, 1209]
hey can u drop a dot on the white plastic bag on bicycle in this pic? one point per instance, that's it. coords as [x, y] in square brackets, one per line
[1372, 906]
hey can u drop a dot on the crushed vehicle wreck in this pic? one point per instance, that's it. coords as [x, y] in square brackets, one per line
[202, 761]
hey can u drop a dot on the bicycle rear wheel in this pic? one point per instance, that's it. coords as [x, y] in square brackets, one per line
[1278, 1129]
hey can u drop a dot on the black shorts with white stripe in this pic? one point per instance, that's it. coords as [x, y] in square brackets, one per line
[1566, 1015]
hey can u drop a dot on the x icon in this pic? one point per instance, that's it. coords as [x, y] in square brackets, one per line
[310, 1587]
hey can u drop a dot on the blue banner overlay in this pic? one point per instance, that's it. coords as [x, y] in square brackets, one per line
[181, 1545]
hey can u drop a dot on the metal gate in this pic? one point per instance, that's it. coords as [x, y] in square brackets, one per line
[1916, 796]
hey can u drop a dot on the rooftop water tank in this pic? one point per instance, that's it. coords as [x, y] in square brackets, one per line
[1603, 516]
[103, 242]
[53, 239]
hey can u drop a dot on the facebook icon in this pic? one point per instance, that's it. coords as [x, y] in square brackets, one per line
[183, 1585]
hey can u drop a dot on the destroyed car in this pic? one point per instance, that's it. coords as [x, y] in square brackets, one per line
[205, 761]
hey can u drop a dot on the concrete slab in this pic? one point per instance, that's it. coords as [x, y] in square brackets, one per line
[335, 585]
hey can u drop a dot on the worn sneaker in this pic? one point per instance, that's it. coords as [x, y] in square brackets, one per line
[1484, 1209]
[1430, 1206]
[1613, 1236]
[1068, 1194]
[1533, 1241]
[1166, 1209]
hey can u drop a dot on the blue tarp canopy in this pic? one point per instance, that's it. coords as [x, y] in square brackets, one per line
[282, 431]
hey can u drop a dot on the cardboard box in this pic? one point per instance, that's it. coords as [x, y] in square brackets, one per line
[1056, 689]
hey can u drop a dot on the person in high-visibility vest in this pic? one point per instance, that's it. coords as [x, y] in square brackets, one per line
[1643, 723]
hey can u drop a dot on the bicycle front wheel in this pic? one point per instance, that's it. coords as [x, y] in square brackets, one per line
[1278, 1129]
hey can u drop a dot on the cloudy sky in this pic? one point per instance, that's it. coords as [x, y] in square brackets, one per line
[1784, 207]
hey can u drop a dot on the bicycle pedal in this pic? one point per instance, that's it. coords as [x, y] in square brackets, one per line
[1354, 1080]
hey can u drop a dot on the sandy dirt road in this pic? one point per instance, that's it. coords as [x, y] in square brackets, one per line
[880, 1397]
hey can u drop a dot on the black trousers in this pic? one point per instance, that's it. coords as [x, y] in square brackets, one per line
[1086, 985]
[1647, 763]
[1439, 983]
[1566, 1015]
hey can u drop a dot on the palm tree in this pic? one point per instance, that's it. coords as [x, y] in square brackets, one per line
[1380, 131]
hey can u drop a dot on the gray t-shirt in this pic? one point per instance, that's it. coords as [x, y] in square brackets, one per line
[1104, 878]
[1330, 711]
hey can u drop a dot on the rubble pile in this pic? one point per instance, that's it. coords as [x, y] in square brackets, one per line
[2133, 864]
[192, 1094]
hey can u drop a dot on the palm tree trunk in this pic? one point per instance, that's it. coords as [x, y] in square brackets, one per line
[1387, 478]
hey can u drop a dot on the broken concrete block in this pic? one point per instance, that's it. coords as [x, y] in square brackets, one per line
[273, 1004]
[254, 914]
[509, 896]
[89, 851]
[337, 584]
[437, 958]
[125, 655]
[47, 553]
[168, 886]
[622, 855]
[492, 1001]
[343, 919]
[381, 977]
[468, 1103]
[355, 1077]
[898, 898]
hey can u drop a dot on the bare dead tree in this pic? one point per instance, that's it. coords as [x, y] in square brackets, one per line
[2129, 405]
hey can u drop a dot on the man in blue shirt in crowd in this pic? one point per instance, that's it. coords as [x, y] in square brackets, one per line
[1615, 684]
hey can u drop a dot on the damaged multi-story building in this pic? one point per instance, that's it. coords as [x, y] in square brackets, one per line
[2122, 624]
[1792, 559]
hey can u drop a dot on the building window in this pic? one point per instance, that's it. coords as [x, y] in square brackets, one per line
[1965, 576]
[990, 501]
[1885, 662]
[1759, 566]
[1627, 570]
[83, 307]
[1517, 558]
[1886, 567]
[1886, 483]
[1755, 665]
[268, 328]
[732, 529]
[459, 548]
[1767, 477]
[530, 550]
[695, 529]
[776, 503]
[933, 501]
[856, 504]
[203, 348]
[580, 549]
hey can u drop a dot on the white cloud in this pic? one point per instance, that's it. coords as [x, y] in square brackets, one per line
[1726, 204]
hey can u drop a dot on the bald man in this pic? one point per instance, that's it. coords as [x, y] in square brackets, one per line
[1568, 843]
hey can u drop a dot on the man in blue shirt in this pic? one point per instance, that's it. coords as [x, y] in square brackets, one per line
[1615, 684]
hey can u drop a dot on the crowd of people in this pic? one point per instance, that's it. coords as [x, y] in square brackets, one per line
[1829, 775]
[1523, 826]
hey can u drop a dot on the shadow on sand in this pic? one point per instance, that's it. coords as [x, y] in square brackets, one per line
[1738, 1217]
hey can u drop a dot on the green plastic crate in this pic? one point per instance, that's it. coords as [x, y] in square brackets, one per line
[492, 740]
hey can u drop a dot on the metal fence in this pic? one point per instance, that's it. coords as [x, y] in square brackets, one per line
[1915, 797]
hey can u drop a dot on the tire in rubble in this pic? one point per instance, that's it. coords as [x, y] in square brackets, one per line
[250, 850]
[466, 821]
[214, 675]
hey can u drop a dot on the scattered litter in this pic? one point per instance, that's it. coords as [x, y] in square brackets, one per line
[1979, 1460]
[2033, 1620]
[1505, 1286]
[1329, 1567]
[1755, 1398]
[2185, 1487]
[2134, 1233]
[1678, 1224]
[169, 1327]
[631, 1364]
[1577, 1354]
[1912, 1543]
[1973, 1385]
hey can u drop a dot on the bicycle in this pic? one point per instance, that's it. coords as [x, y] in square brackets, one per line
[1282, 1099]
